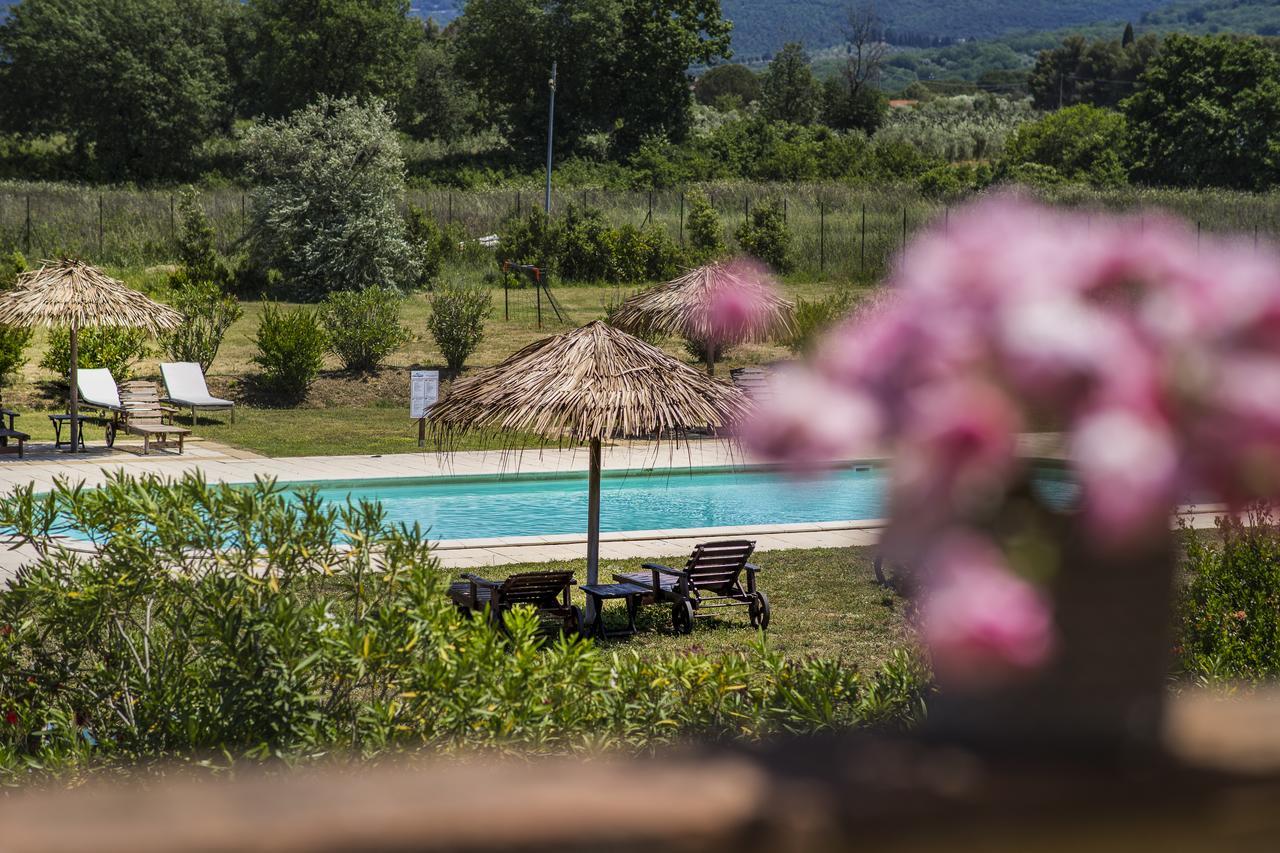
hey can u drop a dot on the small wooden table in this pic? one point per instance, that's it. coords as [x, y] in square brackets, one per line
[59, 420]
[598, 593]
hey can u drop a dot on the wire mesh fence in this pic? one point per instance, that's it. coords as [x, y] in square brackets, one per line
[837, 231]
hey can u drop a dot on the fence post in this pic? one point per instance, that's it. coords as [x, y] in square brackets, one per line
[746, 207]
[244, 220]
[648, 220]
[450, 207]
[26, 240]
[822, 236]
[537, 289]
[506, 299]
[99, 227]
[862, 264]
[1198, 225]
[681, 217]
[173, 231]
[904, 228]
[517, 203]
[784, 210]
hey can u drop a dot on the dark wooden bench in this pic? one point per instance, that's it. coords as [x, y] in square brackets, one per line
[546, 591]
[8, 432]
[712, 578]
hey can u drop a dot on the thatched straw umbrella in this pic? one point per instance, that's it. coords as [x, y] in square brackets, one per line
[71, 293]
[685, 306]
[590, 385]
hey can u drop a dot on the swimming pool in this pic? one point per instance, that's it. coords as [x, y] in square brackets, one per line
[543, 505]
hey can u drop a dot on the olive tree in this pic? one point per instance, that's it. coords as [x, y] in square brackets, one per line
[328, 180]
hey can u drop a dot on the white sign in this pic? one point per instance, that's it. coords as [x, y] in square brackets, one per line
[424, 391]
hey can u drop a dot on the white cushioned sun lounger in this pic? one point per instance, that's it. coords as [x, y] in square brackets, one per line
[185, 386]
[97, 389]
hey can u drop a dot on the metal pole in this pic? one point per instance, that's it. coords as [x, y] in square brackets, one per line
[75, 390]
[746, 207]
[538, 294]
[784, 210]
[450, 207]
[26, 240]
[862, 265]
[551, 129]
[518, 202]
[99, 226]
[822, 236]
[682, 217]
[904, 229]
[593, 517]
[173, 231]
[648, 220]
[506, 300]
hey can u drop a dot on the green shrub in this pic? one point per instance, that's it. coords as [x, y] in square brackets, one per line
[208, 313]
[814, 317]
[587, 246]
[291, 348]
[13, 339]
[1081, 143]
[290, 647]
[705, 233]
[118, 350]
[1231, 605]
[764, 235]
[645, 254]
[458, 314]
[364, 326]
[429, 245]
[197, 251]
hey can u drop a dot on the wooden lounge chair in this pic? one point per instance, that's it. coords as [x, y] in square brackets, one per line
[98, 390]
[754, 382]
[146, 416]
[712, 578]
[8, 433]
[547, 591]
[184, 386]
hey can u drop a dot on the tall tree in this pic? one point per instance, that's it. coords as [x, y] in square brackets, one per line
[1128, 38]
[728, 81]
[340, 48]
[790, 89]
[866, 49]
[1208, 114]
[1102, 73]
[438, 104]
[136, 85]
[622, 63]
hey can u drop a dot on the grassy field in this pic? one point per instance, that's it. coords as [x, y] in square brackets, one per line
[825, 602]
[345, 413]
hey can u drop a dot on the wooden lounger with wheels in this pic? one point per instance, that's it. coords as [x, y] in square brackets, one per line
[547, 591]
[712, 578]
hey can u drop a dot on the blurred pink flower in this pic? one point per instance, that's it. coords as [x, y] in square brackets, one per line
[1127, 465]
[742, 302]
[982, 623]
[810, 423]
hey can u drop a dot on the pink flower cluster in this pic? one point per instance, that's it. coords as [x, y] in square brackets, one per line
[1156, 353]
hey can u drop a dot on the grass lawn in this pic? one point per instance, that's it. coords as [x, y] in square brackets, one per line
[825, 603]
[345, 413]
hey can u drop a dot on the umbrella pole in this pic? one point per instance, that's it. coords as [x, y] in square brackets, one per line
[593, 519]
[711, 359]
[75, 391]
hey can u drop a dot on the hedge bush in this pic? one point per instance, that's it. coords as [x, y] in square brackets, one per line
[704, 229]
[118, 350]
[13, 339]
[581, 245]
[291, 348]
[364, 326]
[764, 235]
[207, 313]
[458, 315]
[321, 629]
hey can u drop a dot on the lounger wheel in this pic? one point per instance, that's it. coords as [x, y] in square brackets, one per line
[575, 622]
[682, 617]
[760, 611]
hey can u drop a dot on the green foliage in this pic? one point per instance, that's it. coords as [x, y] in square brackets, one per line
[645, 254]
[583, 246]
[340, 48]
[136, 85]
[951, 182]
[1102, 73]
[327, 183]
[291, 347]
[364, 326]
[197, 249]
[116, 349]
[641, 47]
[846, 108]
[731, 81]
[1081, 143]
[586, 245]
[207, 313]
[429, 245]
[704, 229]
[458, 314]
[1208, 114]
[789, 89]
[13, 339]
[438, 103]
[323, 629]
[1231, 605]
[764, 235]
[813, 317]
[959, 128]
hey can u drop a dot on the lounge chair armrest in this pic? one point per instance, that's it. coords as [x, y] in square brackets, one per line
[752, 567]
[10, 413]
[666, 570]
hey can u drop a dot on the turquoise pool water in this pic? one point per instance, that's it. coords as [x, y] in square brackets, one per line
[530, 505]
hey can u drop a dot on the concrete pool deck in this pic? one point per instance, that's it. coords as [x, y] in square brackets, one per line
[218, 464]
